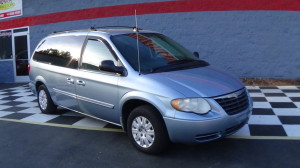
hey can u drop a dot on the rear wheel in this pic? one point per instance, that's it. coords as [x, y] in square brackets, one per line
[147, 131]
[45, 102]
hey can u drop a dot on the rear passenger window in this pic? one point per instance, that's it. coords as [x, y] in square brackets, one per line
[95, 52]
[61, 51]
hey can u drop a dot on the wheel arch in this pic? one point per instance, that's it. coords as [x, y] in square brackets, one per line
[134, 99]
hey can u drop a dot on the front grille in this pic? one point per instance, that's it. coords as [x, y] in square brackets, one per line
[235, 102]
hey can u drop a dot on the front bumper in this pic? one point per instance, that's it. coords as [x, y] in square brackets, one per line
[204, 130]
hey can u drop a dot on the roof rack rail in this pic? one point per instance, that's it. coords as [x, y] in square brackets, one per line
[95, 28]
[64, 31]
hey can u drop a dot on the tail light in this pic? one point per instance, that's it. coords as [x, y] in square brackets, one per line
[28, 68]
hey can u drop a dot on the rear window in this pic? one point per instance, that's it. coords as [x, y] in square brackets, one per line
[61, 51]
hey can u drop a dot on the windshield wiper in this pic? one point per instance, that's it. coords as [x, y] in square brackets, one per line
[180, 64]
[183, 61]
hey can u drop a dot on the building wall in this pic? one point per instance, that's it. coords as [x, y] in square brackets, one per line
[6, 69]
[253, 39]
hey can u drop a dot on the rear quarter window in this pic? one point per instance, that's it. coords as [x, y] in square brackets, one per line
[61, 51]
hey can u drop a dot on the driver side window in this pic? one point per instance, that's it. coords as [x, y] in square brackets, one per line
[95, 52]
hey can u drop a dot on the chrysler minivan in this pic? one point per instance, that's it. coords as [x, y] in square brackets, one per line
[151, 86]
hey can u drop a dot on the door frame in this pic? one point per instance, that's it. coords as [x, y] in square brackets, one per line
[20, 78]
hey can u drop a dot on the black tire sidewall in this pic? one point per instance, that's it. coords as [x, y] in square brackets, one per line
[161, 140]
[51, 107]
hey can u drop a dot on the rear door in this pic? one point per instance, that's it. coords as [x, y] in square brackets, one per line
[61, 55]
[97, 91]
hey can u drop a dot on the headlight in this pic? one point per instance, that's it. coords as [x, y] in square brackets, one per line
[196, 105]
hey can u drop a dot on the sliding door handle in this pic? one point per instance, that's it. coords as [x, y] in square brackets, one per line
[80, 82]
[70, 81]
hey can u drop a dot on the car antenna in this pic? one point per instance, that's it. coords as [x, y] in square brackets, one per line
[136, 30]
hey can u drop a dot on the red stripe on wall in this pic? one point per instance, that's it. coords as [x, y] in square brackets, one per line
[154, 8]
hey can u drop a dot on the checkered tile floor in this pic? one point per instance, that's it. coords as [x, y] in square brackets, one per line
[276, 111]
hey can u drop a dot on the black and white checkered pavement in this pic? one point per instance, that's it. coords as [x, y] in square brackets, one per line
[276, 111]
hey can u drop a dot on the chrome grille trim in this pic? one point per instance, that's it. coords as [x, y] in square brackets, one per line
[235, 102]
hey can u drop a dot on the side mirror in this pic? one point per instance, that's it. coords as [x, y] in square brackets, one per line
[196, 54]
[109, 66]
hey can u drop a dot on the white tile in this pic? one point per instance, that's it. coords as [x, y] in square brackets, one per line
[244, 131]
[5, 113]
[271, 91]
[28, 104]
[23, 94]
[90, 122]
[40, 117]
[287, 87]
[297, 104]
[278, 99]
[26, 99]
[287, 112]
[2, 107]
[252, 87]
[264, 120]
[292, 130]
[3, 101]
[19, 90]
[292, 94]
[2, 93]
[257, 95]
[3, 96]
[261, 105]
[31, 110]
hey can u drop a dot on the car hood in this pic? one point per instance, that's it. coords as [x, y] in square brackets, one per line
[199, 82]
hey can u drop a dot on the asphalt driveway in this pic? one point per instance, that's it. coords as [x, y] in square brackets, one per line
[30, 145]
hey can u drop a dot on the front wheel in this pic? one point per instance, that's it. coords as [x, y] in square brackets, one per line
[147, 131]
[45, 102]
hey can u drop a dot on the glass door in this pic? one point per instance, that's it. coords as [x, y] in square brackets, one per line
[21, 56]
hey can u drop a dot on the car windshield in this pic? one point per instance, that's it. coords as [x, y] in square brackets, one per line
[158, 53]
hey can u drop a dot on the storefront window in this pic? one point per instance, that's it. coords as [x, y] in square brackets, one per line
[6, 45]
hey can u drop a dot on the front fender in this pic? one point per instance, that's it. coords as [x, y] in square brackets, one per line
[162, 104]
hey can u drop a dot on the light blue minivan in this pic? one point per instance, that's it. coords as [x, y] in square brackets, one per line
[158, 91]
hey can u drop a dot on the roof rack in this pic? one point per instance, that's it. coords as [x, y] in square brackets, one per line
[64, 31]
[104, 27]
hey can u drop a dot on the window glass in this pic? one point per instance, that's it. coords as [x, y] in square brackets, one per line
[5, 45]
[60, 51]
[155, 50]
[95, 52]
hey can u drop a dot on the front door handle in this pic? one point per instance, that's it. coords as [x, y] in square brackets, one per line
[80, 82]
[70, 81]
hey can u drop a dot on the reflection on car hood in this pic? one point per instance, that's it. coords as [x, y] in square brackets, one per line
[200, 82]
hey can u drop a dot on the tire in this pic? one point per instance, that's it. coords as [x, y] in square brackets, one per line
[45, 102]
[147, 131]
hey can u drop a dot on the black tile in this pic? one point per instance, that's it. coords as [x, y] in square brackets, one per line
[8, 94]
[268, 87]
[283, 105]
[291, 90]
[13, 103]
[112, 126]
[11, 98]
[68, 120]
[254, 90]
[262, 111]
[259, 99]
[17, 116]
[295, 99]
[289, 119]
[267, 130]
[16, 109]
[275, 94]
